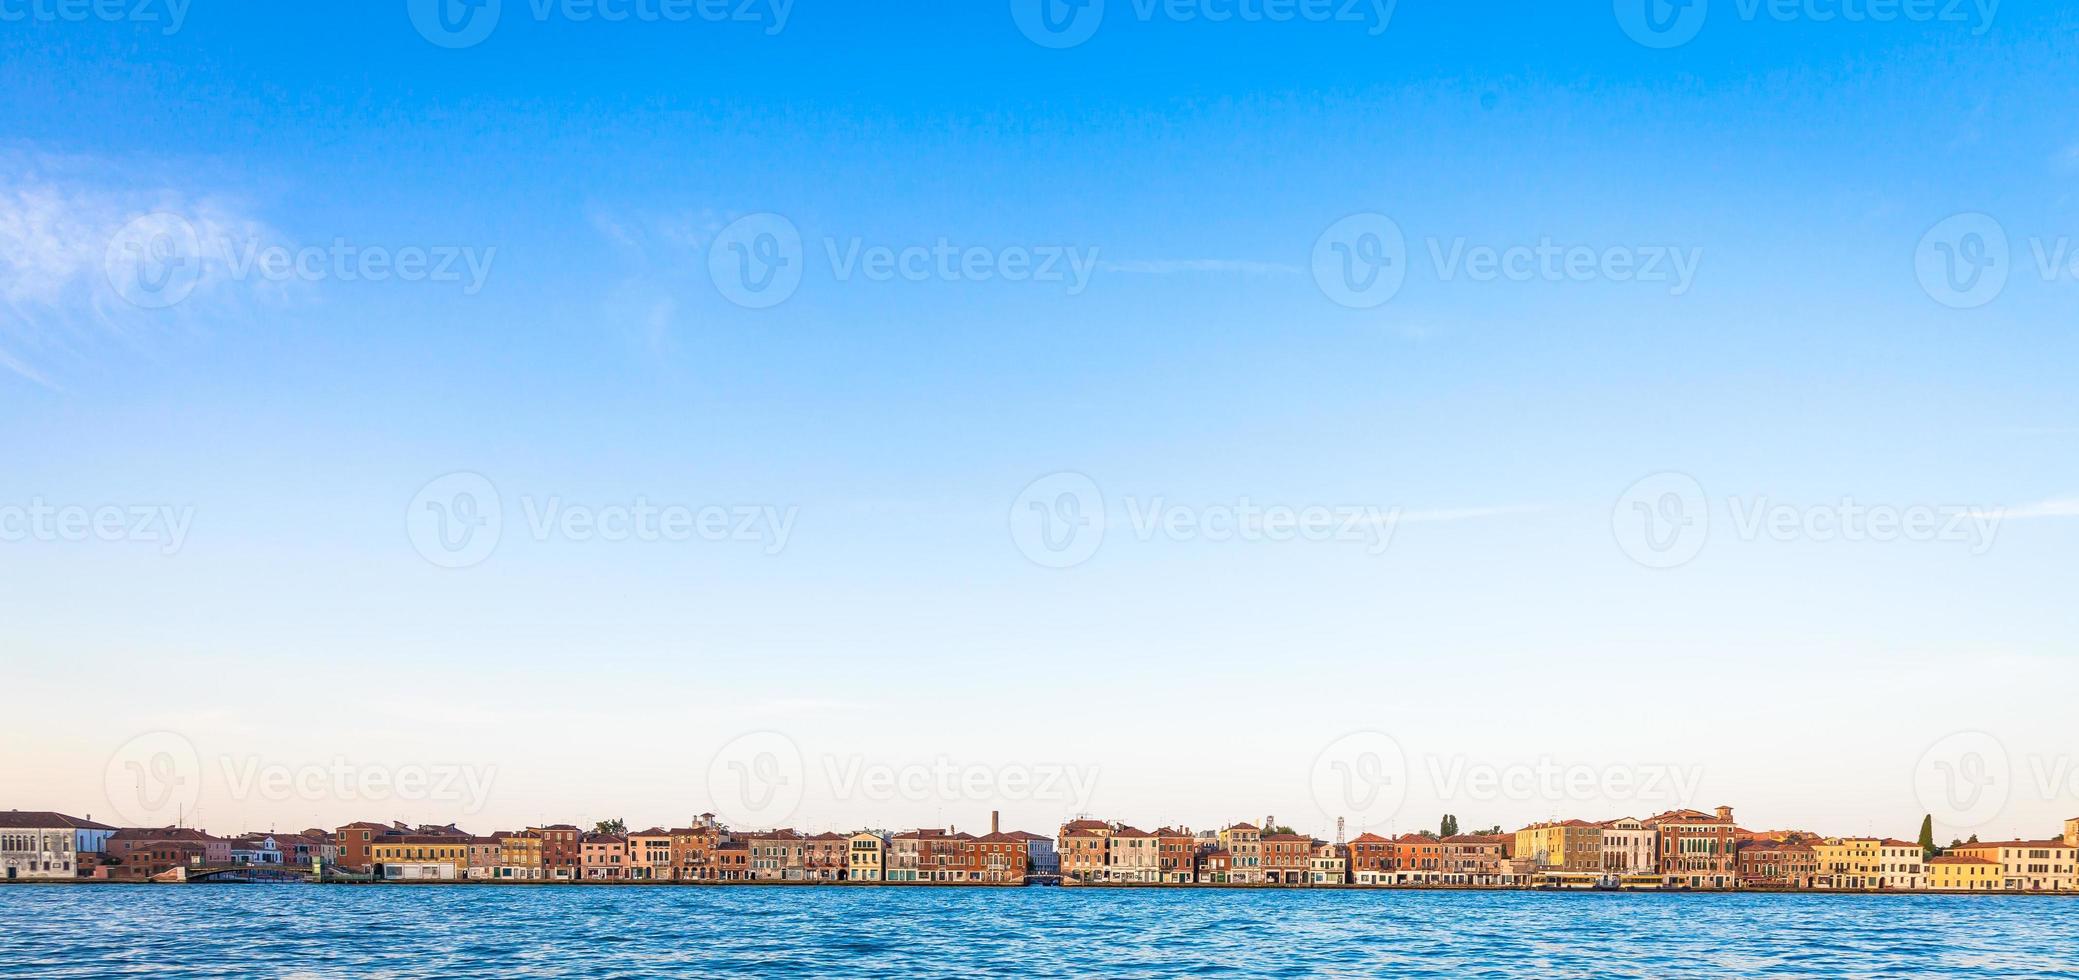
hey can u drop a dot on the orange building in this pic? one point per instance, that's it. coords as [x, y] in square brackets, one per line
[1371, 860]
[1176, 851]
[1085, 847]
[603, 857]
[356, 842]
[1287, 858]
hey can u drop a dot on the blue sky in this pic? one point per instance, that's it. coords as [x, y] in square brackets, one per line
[594, 167]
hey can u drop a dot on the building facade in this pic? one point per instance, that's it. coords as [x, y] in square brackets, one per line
[1697, 849]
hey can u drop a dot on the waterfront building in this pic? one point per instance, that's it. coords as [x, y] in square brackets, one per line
[216, 851]
[2027, 865]
[1371, 860]
[1901, 865]
[1846, 863]
[40, 844]
[304, 848]
[2072, 833]
[1286, 858]
[1243, 843]
[649, 855]
[256, 849]
[1474, 859]
[1777, 864]
[1418, 859]
[1697, 849]
[484, 858]
[1627, 848]
[141, 857]
[731, 861]
[693, 850]
[1040, 856]
[777, 855]
[996, 858]
[1565, 851]
[355, 841]
[561, 858]
[904, 853]
[1085, 849]
[1215, 867]
[1133, 857]
[603, 857]
[824, 856]
[1329, 865]
[1176, 852]
[1955, 873]
[420, 857]
[521, 856]
[866, 856]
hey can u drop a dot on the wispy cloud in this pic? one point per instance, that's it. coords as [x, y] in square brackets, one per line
[73, 233]
[2042, 509]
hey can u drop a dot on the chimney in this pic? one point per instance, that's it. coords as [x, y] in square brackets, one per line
[992, 822]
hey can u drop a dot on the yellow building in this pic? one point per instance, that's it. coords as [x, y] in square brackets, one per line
[2029, 865]
[1951, 873]
[1849, 862]
[407, 858]
[866, 855]
[519, 856]
[1566, 846]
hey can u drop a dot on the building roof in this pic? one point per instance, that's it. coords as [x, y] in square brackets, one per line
[46, 820]
[2011, 843]
[1079, 826]
[1960, 859]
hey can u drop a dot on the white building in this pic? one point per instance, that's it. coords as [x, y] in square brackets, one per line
[1629, 847]
[1134, 857]
[42, 844]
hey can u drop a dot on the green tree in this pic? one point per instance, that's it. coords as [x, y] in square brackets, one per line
[1927, 836]
[614, 826]
[1449, 828]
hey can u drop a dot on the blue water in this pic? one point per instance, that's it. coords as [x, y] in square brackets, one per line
[333, 931]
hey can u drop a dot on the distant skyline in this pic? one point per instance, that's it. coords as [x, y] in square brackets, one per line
[1177, 404]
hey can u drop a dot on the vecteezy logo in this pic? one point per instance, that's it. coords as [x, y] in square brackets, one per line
[154, 779]
[455, 521]
[1662, 23]
[1058, 23]
[1362, 775]
[1663, 521]
[1962, 262]
[757, 779]
[454, 23]
[1058, 520]
[154, 261]
[1361, 261]
[756, 261]
[1964, 780]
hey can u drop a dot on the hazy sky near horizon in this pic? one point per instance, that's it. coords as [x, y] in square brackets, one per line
[835, 415]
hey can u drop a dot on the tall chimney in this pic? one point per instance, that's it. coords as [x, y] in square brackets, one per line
[992, 821]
